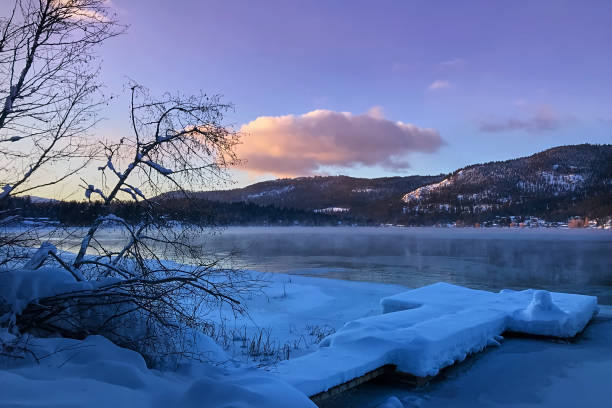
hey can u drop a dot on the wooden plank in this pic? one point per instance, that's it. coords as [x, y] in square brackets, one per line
[338, 389]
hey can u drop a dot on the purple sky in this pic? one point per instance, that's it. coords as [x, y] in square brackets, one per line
[494, 79]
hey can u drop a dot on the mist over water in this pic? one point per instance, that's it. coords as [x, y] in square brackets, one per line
[578, 261]
[565, 260]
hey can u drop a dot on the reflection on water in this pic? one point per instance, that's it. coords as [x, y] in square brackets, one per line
[577, 261]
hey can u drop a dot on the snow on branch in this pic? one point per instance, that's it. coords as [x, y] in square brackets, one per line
[8, 103]
[111, 167]
[158, 167]
[91, 189]
[40, 256]
[129, 191]
[92, 230]
[6, 190]
[134, 192]
[138, 192]
[111, 218]
[45, 251]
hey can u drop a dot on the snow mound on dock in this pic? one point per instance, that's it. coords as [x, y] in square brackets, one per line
[426, 329]
[536, 312]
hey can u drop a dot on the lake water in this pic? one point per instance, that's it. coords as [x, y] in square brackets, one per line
[568, 260]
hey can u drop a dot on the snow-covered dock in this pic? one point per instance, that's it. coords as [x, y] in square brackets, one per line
[424, 330]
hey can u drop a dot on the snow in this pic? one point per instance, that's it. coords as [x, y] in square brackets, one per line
[19, 287]
[330, 210]
[111, 218]
[158, 167]
[392, 402]
[423, 329]
[559, 182]
[10, 98]
[110, 165]
[424, 191]
[134, 192]
[565, 181]
[129, 191]
[92, 189]
[421, 192]
[40, 255]
[429, 328]
[138, 191]
[273, 192]
[524, 373]
[6, 190]
[296, 311]
[536, 312]
[96, 373]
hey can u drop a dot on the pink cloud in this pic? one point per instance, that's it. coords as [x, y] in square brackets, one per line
[293, 145]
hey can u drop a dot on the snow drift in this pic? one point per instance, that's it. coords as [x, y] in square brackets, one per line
[96, 373]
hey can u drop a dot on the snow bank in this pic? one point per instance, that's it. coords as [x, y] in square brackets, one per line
[19, 287]
[96, 373]
[427, 329]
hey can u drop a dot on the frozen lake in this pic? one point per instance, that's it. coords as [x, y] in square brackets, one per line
[566, 260]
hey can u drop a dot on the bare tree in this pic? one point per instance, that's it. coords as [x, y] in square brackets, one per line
[140, 293]
[48, 89]
[157, 279]
[49, 100]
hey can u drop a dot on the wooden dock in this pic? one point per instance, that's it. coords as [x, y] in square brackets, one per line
[413, 344]
[386, 373]
[320, 398]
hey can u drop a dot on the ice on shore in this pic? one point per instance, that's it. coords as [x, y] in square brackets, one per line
[424, 330]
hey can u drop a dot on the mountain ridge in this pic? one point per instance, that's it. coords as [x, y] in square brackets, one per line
[557, 181]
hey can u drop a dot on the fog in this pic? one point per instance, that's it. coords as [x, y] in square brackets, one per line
[568, 260]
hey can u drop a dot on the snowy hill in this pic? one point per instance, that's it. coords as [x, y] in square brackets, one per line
[556, 184]
[553, 180]
[360, 196]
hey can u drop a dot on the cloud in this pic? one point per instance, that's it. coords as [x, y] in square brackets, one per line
[543, 119]
[438, 85]
[293, 145]
[376, 112]
[94, 13]
[451, 64]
